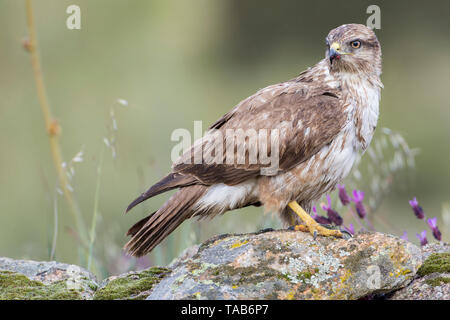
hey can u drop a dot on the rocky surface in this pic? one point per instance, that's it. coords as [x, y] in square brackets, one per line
[433, 277]
[265, 265]
[25, 279]
[291, 265]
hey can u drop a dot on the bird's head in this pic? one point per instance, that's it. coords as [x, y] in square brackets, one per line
[353, 48]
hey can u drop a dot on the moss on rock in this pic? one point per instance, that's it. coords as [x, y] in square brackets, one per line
[132, 286]
[436, 262]
[437, 281]
[16, 286]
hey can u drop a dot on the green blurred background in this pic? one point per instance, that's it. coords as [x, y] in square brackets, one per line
[180, 61]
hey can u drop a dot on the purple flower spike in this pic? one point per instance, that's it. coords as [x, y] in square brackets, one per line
[319, 219]
[333, 216]
[405, 236]
[326, 207]
[350, 228]
[432, 223]
[418, 211]
[322, 220]
[358, 197]
[343, 196]
[422, 237]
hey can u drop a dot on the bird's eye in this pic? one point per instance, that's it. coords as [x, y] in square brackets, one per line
[355, 44]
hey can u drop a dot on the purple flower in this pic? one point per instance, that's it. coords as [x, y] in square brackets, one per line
[432, 223]
[343, 196]
[318, 218]
[332, 214]
[418, 211]
[422, 237]
[350, 228]
[405, 236]
[358, 197]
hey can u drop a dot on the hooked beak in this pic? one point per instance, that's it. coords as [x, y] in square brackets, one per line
[334, 52]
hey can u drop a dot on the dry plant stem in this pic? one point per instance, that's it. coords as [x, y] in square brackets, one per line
[55, 226]
[50, 123]
[95, 213]
[355, 218]
[369, 224]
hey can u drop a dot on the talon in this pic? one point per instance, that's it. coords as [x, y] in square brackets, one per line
[346, 235]
[319, 230]
[311, 225]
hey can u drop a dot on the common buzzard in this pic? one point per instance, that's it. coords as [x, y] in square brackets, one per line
[324, 117]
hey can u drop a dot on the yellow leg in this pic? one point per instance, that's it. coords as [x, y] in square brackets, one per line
[310, 224]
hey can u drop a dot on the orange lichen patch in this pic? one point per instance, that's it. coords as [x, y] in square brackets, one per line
[290, 295]
[238, 244]
[247, 259]
[402, 272]
[345, 276]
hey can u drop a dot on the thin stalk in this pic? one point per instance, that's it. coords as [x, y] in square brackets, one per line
[95, 213]
[356, 218]
[55, 227]
[52, 126]
[370, 225]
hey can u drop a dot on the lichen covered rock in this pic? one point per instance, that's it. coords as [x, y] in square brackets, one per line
[291, 265]
[32, 280]
[433, 277]
[265, 265]
[131, 285]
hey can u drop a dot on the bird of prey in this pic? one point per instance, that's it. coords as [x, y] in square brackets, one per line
[325, 116]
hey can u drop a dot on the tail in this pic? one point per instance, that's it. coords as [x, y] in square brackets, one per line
[150, 231]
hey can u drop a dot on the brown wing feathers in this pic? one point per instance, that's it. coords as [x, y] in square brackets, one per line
[169, 182]
[150, 231]
[193, 179]
[138, 225]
